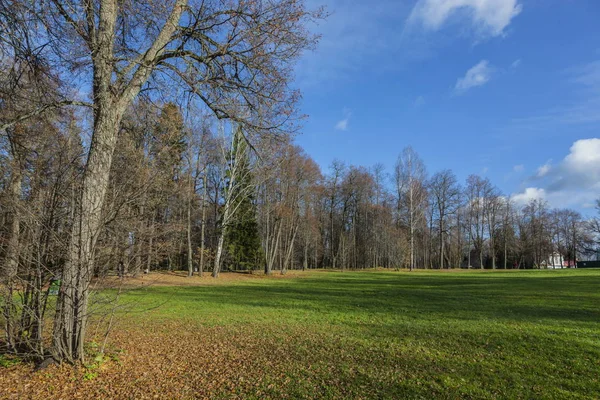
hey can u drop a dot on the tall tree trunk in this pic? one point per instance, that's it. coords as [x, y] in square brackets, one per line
[110, 103]
[221, 242]
[203, 229]
[272, 249]
[493, 251]
[441, 243]
[412, 245]
[289, 252]
[139, 242]
[481, 256]
[316, 255]
[190, 261]
[505, 252]
[305, 260]
[217, 264]
[149, 260]
[72, 302]
[469, 242]
[12, 256]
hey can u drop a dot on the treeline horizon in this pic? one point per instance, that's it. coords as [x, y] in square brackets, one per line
[198, 194]
[289, 214]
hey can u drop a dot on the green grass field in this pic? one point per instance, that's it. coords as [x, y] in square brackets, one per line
[405, 335]
[396, 335]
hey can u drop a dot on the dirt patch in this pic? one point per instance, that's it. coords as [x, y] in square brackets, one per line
[181, 279]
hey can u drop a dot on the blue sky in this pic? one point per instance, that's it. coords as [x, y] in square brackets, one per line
[508, 89]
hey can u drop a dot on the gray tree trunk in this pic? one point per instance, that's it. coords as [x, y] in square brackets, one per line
[11, 261]
[110, 103]
[190, 261]
[202, 232]
[72, 303]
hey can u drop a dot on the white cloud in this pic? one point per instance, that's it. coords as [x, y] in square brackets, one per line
[544, 169]
[368, 36]
[580, 168]
[519, 168]
[478, 75]
[530, 193]
[342, 125]
[584, 155]
[564, 199]
[574, 182]
[515, 64]
[487, 17]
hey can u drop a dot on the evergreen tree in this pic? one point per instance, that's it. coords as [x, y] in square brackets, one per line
[242, 238]
[168, 141]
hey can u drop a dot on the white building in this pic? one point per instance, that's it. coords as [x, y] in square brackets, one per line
[555, 260]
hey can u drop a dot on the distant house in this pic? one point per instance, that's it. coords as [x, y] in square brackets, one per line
[556, 261]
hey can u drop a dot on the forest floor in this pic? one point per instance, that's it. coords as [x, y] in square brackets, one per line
[359, 335]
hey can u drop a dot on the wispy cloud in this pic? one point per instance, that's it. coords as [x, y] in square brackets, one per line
[587, 75]
[357, 35]
[585, 80]
[387, 34]
[478, 75]
[342, 125]
[486, 17]
[419, 101]
[519, 168]
[544, 169]
[515, 64]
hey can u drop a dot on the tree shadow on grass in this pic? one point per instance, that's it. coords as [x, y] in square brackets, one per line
[404, 296]
[400, 335]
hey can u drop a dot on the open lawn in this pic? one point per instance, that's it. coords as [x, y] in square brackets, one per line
[492, 334]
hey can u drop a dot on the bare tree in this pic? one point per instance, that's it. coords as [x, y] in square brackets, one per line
[507, 228]
[492, 208]
[475, 194]
[410, 178]
[446, 194]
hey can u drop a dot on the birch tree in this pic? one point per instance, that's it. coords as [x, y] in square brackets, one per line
[410, 178]
[238, 186]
